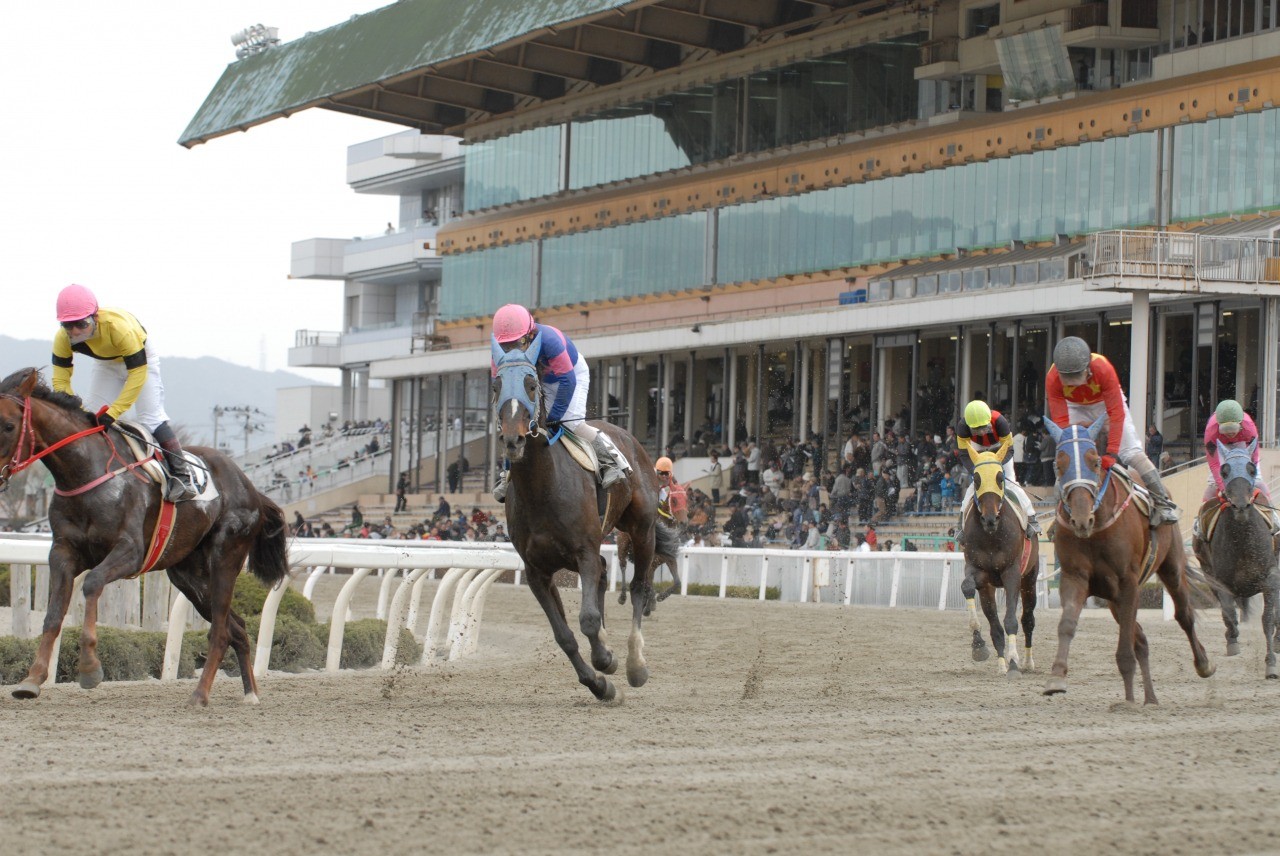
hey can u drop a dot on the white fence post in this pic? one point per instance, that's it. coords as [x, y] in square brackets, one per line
[20, 600]
[173, 642]
[338, 625]
[764, 575]
[724, 574]
[310, 585]
[893, 588]
[388, 577]
[806, 578]
[456, 613]
[436, 626]
[267, 628]
[155, 601]
[471, 602]
[396, 617]
[946, 583]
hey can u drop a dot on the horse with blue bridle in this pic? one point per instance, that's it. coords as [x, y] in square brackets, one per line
[1239, 555]
[557, 515]
[1107, 549]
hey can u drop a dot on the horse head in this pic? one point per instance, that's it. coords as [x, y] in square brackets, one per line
[988, 488]
[1079, 468]
[15, 397]
[1239, 473]
[517, 401]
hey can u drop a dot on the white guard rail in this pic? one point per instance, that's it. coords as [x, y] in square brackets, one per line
[886, 579]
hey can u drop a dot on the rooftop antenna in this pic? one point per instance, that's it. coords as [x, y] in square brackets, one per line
[254, 40]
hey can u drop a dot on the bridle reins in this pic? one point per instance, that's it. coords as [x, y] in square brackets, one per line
[1097, 490]
[27, 437]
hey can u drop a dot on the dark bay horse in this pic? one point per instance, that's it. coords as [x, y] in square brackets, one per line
[1107, 549]
[998, 554]
[1240, 557]
[106, 529]
[652, 597]
[556, 518]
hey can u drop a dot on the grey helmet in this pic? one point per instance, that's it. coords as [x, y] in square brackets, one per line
[1072, 356]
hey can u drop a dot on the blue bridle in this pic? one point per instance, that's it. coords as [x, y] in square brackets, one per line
[1076, 440]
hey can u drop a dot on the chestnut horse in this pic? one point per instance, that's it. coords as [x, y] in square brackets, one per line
[998, 554]
[1107, 549]
[1239, 559]
[556, 516]
[104, 513]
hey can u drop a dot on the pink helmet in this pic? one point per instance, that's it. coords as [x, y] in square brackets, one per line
[511, 323]
[76, 302]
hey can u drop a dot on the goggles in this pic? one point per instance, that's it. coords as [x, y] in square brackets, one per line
[82, 324]
[1230, 428]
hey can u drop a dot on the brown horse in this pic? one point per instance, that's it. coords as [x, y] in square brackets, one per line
[1107, 549]
[997, 554]
[104, 514]
[556, 517]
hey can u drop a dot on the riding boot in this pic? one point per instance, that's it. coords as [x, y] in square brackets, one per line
[180, 487]
[610, 471]
[1163, 509]
[1033, 528]
[500, 489]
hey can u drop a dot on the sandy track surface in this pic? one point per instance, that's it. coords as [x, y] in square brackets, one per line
[765, 728]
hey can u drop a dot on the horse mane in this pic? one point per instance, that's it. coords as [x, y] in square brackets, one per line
[44, 392]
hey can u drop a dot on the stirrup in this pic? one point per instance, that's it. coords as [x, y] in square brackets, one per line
[178, 490]
[611, 474]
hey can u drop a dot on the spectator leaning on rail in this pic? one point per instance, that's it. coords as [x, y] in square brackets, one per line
[1231, 426]
[986, 430]
[123, 374]
[1081, 388]
[565, 381]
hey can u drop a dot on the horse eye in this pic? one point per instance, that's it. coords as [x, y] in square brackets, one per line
[1226, 469]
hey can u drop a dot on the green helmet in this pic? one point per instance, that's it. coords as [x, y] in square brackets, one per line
[977, 414]
[1230, 412]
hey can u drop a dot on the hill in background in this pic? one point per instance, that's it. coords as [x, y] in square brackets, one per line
[193, 386]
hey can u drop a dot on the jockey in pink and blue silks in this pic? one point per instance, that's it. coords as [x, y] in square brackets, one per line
[565, 382]
[1231, 426]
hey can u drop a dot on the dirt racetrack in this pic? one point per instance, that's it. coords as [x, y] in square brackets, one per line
[765, 728]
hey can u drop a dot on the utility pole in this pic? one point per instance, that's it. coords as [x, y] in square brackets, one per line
[245, 414]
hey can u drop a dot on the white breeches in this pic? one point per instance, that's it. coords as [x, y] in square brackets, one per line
[103, 380]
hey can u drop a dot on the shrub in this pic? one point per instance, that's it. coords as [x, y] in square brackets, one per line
[4, 585]
[748, 592]
[15, 658]
[294, 645]
[250, 594]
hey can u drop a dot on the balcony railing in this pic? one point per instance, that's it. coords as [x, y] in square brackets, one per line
[316, 338]
[1184, 256]
[940, 50]
[1087, 15]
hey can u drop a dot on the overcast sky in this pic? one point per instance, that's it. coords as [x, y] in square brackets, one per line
[95, 189]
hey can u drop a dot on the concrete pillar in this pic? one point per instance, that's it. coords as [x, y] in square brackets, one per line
[964, 390]
[803, 355]
[664, 401]
[1162, 324]
[1267, 424]
[362, 395]
[688, 400]
[730, 424]
[1139, 351]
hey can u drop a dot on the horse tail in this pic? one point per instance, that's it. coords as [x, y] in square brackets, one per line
[269, 555]
[666, 541]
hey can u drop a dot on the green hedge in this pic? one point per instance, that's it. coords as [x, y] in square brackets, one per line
[130, 655]
[4, 585]
[250, 594]
[749, 592]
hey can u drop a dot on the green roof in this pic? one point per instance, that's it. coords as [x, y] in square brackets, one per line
[381, 45]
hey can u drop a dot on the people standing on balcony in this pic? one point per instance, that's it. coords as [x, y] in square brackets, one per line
[123, 374]
[1083, 387]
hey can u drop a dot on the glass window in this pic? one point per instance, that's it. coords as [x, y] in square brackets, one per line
[926, 285]
[880, 289]
[1000, 277]
[975, 279]
[951, 282]
[1026, 273]
[904, 287]
[474, 284]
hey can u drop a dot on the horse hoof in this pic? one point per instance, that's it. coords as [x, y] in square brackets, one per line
[664, 596]
[1233, 648]
[610, 667]
[198, 700]
[1207, 670]
[637, 677]
[1272, 675]
[251, 698]
[1054, 686]
[609, 693]
[26, 691]
[89, 680]
[981, 654]
[1014, 671]
[622, 598]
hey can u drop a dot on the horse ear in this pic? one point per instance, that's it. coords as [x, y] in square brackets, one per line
[29, 383]
[1222, 449]
[1253, 445]
[1098, 429]
[1052, 427]
[973, 456]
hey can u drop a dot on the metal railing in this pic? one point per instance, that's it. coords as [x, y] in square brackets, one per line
[1183, 256]
[1087, 15]
[314, 338]
[940, 50]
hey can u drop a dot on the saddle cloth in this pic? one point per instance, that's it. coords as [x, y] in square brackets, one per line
[1141, 496]
[580, 450]
[143, 445]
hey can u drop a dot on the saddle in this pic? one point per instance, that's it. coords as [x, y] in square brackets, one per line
[1211, 512]
[143, 446]
[1015, 494]
[1141, 496]
[581, 451]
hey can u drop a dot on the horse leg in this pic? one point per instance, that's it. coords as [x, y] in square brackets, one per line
[987, 597]
[591, 611]
[1073, 593]
[1142, 650]
[62, 575]
[1173, 573]
[1227, 602]
[637, 668]
[675, 582]
[1028, 616]
[1125, 611]
[1011, 597]
[969, 589]
[1269, 603]
[549, 599]
[623, 548]
[121, 562]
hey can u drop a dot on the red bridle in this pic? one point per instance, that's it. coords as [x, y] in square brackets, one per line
[27, 437]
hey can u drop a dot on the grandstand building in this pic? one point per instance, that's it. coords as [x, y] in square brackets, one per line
[792, 216]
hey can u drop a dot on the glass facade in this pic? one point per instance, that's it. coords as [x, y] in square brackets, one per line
[1224, 166]
[853, 90]
[626, 261]
[475, 283]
